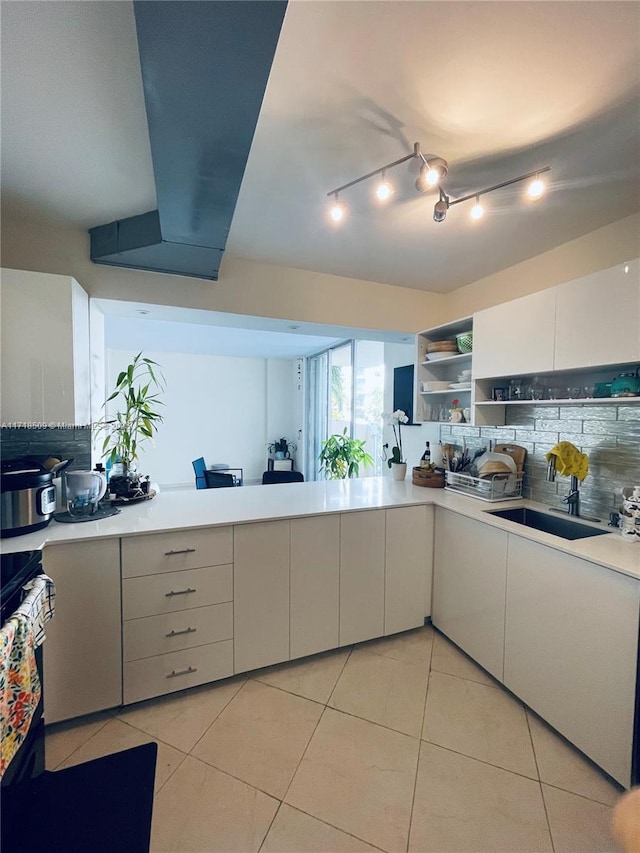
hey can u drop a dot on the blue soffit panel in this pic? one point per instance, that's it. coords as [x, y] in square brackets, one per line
[205, 67]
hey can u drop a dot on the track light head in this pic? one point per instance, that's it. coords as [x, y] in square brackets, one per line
[536, 188]
[477, 211]
[338, 210]
[440, 208]
[434, 170]
[384, 190]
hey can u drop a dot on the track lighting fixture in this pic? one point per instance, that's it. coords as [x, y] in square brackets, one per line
[440, 208]
[477, 211]
[384, 190]
[433, 170]
[338, 210]
[536, 188]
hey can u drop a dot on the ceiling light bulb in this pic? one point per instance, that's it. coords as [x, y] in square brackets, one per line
[338, 210]
[477, 210]
[384, 189]
[432, 177]
[536, 188]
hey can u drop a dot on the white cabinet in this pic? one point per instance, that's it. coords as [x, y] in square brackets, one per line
[83, 649]
[598, 319]
[571, 646]
[45, 372]
[177, 625]
[362, 563]
[470, 569]
[515, 337]
[315, 584]
[408, 567]
[261, 594]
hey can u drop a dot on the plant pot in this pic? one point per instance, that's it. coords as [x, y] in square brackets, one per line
[398, 470]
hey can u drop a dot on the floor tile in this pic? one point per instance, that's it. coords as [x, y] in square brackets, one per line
[116, 736]
[578, 825]
[62, 739]
[202, 809]
[562, 766]
[479, 721]
[181, 719]
[450, 659]
[358, 777]
[383, 690]
[295, 832]
[260, 736]
[465, 805]
[313, 677]
[410, 646]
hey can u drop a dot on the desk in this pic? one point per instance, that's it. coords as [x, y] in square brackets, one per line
[236, 473]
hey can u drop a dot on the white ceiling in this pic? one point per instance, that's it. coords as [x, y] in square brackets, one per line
[159, 328]
[497, 88]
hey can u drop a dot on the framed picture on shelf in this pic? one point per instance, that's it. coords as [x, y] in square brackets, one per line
[500, 395]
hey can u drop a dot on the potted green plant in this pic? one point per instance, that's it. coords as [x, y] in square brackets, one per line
[341, 456]
[137, 391]
[282, 448]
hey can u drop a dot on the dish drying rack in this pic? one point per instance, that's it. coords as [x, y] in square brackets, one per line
[496, 487]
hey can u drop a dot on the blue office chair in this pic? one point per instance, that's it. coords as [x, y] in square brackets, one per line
[270, 477]
[200, 467]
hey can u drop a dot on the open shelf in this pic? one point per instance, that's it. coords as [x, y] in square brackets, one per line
[559, 401]
[458, 358]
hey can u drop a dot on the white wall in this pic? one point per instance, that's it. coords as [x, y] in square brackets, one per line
[414, 438]
[219, 407]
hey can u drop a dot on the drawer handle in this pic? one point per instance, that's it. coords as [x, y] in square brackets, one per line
[178, 592]
[188, 630]
[183, 551]
[187, 671]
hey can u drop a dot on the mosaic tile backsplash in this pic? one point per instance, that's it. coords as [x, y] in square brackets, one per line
[609, 434]
[62, 443]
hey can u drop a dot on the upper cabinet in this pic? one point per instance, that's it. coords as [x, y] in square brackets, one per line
[591, 322]
[45, 349]
[598, 319]
[515, 337]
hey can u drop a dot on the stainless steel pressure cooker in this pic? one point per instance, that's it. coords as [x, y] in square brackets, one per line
[27, 497]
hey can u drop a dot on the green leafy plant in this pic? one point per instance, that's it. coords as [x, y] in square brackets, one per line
[341, 457]
[282, 445]
[137, 390]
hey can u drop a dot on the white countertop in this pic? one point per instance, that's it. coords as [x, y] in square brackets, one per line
[178, 510]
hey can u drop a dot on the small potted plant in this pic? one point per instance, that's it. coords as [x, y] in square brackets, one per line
[137, 390]
[282, 448]
[341, 456]
[396, 461]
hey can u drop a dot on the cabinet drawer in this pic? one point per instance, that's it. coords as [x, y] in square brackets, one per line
[176, 551]
[168, 673]
[172, 632]
[171, 591]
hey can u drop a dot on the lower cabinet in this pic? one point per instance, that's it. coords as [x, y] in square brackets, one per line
[177, 611]
[571, 646]
[261, 594]
[83, 651]
[408, 567]
[470, 571]
[362, 565]
[315, 584]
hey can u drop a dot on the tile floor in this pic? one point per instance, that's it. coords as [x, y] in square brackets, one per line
[399, 744]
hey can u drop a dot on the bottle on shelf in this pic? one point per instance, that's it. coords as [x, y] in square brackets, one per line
[425, 459]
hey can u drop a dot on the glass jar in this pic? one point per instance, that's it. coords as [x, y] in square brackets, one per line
[515, 389]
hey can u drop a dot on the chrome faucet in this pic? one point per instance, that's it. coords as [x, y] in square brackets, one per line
[572, 500]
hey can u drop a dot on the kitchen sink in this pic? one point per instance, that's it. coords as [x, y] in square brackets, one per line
[563, 527]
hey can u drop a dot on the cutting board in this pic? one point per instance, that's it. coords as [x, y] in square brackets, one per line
[515, 451]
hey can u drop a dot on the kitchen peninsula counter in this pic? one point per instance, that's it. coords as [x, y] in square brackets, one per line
[207, 508]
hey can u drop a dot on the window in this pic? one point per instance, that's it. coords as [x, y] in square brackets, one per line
[346, 389]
